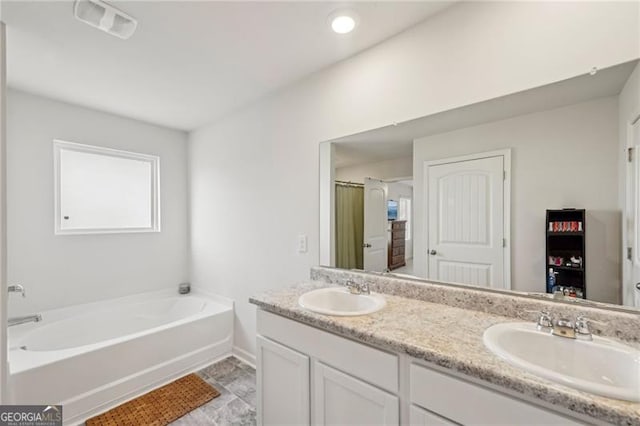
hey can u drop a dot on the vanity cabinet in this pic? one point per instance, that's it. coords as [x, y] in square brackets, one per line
[309, 376]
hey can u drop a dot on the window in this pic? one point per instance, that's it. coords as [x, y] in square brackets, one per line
[404, 213]
[102, 190]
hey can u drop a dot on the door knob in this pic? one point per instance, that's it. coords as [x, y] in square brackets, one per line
[637, 286]
[433, 252]
[366, 245]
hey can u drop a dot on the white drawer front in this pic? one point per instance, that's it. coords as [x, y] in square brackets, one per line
[467, 403]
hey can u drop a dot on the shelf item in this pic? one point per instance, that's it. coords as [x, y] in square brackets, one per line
[565, 252]
[565, 226]
[566, 268]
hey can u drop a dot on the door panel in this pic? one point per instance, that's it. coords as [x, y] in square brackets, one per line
[464, 272]
[631, 294]
[341, 399]
[282, 385]
[466, 221]
[375, 225]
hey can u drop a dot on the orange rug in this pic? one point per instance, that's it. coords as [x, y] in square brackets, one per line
[161, 406]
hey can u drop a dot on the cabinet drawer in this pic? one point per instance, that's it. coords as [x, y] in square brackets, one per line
[397, 251]
[441, 394]
[397, 236]
[397, 260]
[398, 225]
[365, 362]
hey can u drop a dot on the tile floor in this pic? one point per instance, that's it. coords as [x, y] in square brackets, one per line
[236, 404]
[407, 269]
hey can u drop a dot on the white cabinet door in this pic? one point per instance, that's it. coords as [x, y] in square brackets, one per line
[420, 417]
[340, 399]
[282, 378]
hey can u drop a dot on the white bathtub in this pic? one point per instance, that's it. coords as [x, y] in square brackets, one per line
[92, 357]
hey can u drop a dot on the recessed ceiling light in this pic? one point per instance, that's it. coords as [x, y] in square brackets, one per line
[343, 22]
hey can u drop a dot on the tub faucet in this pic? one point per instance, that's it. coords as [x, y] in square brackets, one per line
[17, 289]
[23, 320]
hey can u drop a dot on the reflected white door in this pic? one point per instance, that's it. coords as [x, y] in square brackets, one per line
[631, 296]
[466, 222]
[375, 225]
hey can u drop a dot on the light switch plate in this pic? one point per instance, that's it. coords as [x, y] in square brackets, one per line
[302, 243]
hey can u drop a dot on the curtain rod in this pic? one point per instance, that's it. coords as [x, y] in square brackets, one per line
[342, 182]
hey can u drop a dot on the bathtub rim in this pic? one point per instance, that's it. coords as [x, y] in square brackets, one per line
[22, 360]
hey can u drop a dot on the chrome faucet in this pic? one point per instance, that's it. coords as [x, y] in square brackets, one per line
[564, 327]
[23, 320]
[583, 331]
[545, 322]
[355, 288]
[17, 288]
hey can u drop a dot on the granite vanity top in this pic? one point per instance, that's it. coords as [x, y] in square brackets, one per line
[450, 337]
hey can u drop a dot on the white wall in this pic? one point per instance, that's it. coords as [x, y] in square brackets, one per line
[566, 157]
[386, 169]
[254, 175]
[629, 109]
[69, 269]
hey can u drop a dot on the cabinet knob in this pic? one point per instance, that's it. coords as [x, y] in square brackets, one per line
[433, 252]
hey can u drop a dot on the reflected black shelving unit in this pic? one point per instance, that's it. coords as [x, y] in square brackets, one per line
[565, 240]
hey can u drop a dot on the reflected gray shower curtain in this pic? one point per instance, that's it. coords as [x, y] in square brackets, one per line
[349, 226]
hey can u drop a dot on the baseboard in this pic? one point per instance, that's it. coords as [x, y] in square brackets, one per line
[244, 356]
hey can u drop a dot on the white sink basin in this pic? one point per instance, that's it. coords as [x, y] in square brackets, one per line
[338, 301]
[601, 366]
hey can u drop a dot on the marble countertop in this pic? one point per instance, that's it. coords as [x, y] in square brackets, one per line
[450, 337]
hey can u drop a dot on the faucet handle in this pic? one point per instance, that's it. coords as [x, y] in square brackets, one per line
[585, 319]
[351, 286]
[544, 321]
[583, 331]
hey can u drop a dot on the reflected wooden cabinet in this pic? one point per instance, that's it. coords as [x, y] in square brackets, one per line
[396, 256]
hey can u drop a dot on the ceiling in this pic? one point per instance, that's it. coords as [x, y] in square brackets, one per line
[188, 63]
[396, 141]
[361, 152]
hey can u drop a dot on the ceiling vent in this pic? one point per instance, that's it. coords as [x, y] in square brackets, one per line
[105, 17]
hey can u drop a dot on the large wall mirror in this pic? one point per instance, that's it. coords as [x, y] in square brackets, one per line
[534, 192]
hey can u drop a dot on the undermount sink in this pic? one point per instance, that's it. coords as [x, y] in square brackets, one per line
[601, 366]
[339, 301]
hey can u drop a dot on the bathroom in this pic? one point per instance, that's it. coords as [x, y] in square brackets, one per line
[218, 124]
